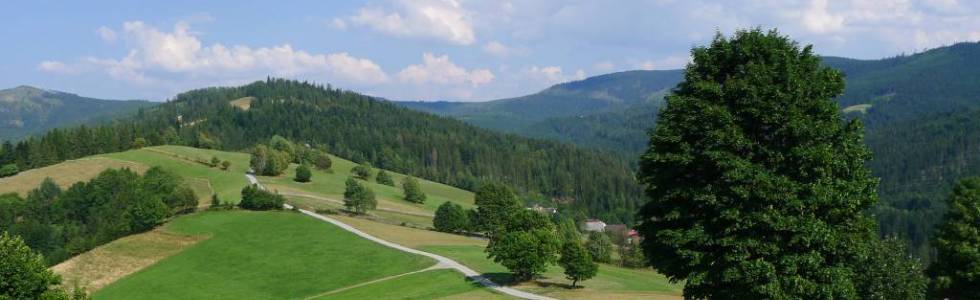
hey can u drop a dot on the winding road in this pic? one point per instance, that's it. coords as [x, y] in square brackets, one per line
[443, 262]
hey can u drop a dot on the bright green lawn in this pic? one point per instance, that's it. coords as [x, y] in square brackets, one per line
[425, 285]
[227, 184]
[609, 278]
[262, 255]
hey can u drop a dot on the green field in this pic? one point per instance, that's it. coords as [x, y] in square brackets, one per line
[181, 160]
[262, 255]
[433, 284]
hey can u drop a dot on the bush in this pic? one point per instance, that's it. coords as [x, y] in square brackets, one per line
[254, 198]
[384, 178]
[413, 191]
[225, 165]
[9, 170]
[181, 200]
[215, 161]
[362, 171]
[600, 247]
[303, 173]
[450, 217]
[358, 198]
[323, 161]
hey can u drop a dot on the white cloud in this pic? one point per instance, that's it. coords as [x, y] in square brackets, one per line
[552, 74]
[445, 20]
[55, 67]
[157, 54]
[107, 34]
[817, 19]
[440, 70]
[604, 66]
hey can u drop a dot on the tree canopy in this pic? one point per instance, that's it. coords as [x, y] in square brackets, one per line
[757, 186]
[956, 272]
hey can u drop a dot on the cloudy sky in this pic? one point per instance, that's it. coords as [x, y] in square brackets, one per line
[425, 49]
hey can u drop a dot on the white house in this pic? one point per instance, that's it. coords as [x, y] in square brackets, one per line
[594, 225]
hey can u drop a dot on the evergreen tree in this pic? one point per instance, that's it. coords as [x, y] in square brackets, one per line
[303, 173]
[450, 217]
[577, 263]
[956, 272]
[384, 178]
[413, 190]
[358, 198]
[889, 273]
[757, 187]
[599, 247]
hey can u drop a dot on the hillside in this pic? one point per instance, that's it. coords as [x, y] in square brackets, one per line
[26, 110]
[604, 93]
[361, 129]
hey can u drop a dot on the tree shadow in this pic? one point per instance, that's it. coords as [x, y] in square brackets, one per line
[544, 284]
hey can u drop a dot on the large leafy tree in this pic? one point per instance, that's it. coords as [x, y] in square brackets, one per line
[526, 243]
[495, 203]
[956, 272]
[756, 184]
[451, 217]
[577, 262]
[23, 274]
[358, 197]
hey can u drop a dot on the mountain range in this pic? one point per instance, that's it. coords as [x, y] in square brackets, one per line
[26, 110]
[920, 112]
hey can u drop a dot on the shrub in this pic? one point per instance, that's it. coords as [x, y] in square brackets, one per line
[413, 191]
[361, 171]
[323, 161]
[9, 170]
[254, 198]
[384, 178]
[303, 173]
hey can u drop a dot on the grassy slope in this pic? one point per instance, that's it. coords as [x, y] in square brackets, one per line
[262, 255]
[611, 283]
[227, 184]
[435, 284]
[64, 174]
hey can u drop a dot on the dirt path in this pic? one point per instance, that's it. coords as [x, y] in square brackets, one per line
[444, 262]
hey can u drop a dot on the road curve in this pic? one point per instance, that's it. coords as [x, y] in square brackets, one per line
[443, 261]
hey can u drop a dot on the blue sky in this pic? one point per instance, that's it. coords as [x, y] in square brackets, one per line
[425, 49]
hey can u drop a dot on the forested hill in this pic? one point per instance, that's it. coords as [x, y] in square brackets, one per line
[27, 110]
[604, 93]
[360, 128]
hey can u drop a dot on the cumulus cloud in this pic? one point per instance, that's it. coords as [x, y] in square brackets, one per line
[440, 70]
[444, 20]
[182, 52]
[55, 67]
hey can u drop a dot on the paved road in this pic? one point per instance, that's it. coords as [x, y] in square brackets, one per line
[443, 262]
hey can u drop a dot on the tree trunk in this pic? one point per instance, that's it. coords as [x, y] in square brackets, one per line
[574, 282]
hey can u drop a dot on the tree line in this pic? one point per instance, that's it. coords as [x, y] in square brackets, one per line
[62, 223]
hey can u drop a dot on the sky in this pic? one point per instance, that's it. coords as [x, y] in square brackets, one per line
[458, 50]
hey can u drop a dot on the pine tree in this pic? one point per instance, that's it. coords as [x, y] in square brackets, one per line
[956, 272]
[757, 187]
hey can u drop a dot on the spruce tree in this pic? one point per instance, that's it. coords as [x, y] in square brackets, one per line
[956, 272]
[756, 185]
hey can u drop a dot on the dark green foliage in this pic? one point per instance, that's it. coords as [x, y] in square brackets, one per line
[255, 198]
[215, 161]
[61, 224]
[599, 247]
[323, 161]
[888, 272]
[9, 170]
[139, 143]
[526, 244]
[384, 178]
[358, 198]
[362, 171]
[757, 187]
[452, 218]
[215, 202]
[225, 165]
[413, 190]
[495, 204]
[363, 129]
[568, 230]
[303, 173]
[956, 272]
[577, 262]
[631, 256]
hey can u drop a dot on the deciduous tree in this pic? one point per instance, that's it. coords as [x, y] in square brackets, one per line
[577, 262]
[413, 190]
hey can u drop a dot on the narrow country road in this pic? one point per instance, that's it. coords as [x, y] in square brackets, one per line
[443, 262]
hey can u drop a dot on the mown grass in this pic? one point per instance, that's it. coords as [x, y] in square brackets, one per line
[262, 255]
[331, 184]
[433, 284]
[227, 184]
[64, 174]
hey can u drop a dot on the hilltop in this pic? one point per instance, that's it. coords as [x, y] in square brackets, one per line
[26, 110]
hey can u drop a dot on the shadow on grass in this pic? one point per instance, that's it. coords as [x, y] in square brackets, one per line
[507, 279]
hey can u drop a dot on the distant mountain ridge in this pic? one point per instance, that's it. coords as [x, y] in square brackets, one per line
[920, 112]
[26, 110]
